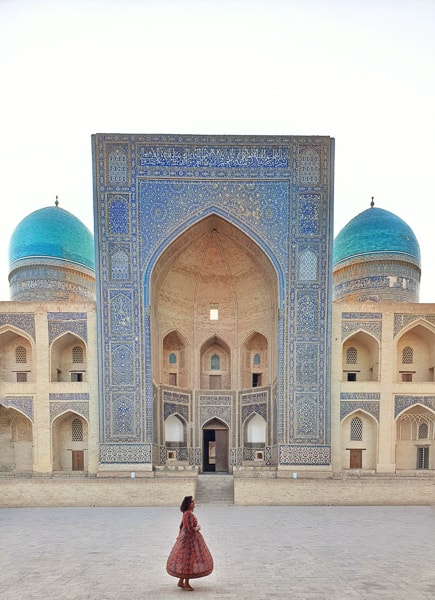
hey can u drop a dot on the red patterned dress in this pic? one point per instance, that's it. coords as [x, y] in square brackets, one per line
[189, 558]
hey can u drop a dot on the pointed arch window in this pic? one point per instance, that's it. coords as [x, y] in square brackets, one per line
[20, 354]
[356, 429]
[77, 354]
[351, 356]
[215, 362]
[172, 358]
[407, 355]
[423, 431]
[257, 360]
[76, 430]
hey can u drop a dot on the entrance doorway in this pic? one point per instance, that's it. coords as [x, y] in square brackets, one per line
[78, 460]
[355, 459]
[215, 447]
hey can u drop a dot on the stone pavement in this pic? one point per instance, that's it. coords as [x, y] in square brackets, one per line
[295, 552]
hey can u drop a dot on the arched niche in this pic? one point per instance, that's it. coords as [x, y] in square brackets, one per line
[255, 361]
[360, 357]
[16, 441]
[175, 432]
[417, 364]
[415, 439]
[68, 359]
[16, 349]
[215, 365]
[70, 442]
[359, 433]
[213, 280]
[174, 363]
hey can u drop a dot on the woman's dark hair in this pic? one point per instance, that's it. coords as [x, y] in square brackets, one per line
[186, 503]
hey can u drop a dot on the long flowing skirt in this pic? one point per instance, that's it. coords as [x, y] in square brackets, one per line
[190, 558]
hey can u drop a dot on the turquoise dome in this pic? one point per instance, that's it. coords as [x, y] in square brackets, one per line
[376, 231]
[52, 232]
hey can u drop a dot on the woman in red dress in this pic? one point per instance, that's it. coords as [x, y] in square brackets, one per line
[189, 558]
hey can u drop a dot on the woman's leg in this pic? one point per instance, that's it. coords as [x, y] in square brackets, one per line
[180, 582]
[187, 586]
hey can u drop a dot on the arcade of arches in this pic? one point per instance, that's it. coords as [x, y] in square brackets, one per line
[383, 394]
[47, 378]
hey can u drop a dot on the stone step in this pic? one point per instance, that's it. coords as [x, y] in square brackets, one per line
[214, 488]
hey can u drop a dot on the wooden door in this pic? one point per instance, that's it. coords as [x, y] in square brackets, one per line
[78, 460]
[221, 437]
[355, 459]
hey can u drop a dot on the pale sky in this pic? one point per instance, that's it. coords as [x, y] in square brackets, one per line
[361, 71]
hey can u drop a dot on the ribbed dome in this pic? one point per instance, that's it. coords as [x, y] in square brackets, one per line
[376, 231]
[52, 232]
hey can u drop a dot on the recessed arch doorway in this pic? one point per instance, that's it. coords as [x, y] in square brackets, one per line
[215, 448]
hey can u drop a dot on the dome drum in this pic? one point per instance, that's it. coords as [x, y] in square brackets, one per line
[45, 282]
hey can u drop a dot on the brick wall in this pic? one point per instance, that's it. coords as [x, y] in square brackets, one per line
[392, 491]
[15, 492]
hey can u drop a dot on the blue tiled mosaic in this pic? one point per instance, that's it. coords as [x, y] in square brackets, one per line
[276, 190]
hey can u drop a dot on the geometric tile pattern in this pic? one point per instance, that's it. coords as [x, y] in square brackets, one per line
[402, 320]
[58, 408]
[402, 402]
[59, 323]
[22, 403]
[125, 453]
[304, 455]
[351, 324]
[24, 321]
[371, 407]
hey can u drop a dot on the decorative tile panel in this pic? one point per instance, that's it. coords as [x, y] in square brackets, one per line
[304, 455]
[402, 320]
[309, 165]
[58, 408]
[24, 404]
[118, 214]
[401, 403]
[371, 407]
[306, 418]
[125, 453]
[63, 322]
[308, 313]
[23, 321]
[309, 214]
[348, 327]
[121, 314]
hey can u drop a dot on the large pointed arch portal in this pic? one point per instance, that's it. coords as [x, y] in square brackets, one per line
[237, 225]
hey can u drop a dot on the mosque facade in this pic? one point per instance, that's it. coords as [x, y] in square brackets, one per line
[213, 324]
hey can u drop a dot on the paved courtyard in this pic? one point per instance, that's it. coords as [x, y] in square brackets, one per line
[295, 552]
